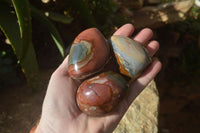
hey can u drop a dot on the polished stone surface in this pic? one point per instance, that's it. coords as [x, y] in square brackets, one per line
[131, 56]
[100, 94]
[88, 55]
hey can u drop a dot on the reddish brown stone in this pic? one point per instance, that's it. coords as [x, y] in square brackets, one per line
[100, 94]
[89, 54]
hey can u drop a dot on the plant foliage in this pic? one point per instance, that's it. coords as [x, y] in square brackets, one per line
[15, 22]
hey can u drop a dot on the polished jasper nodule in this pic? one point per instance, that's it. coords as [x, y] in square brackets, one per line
[90, 54]
[100, 94]
[131, 56]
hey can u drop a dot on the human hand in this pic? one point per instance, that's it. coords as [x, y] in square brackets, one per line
[60, 113]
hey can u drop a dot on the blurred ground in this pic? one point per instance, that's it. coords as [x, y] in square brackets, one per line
[20, 107]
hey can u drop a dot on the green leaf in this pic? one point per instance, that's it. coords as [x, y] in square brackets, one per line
[39, 15]
[18, 31]
[23, 14]
[10, 27]
[28, 57]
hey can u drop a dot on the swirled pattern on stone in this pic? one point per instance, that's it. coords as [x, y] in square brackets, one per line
[131, 56]
[88, 55]
[100, 94]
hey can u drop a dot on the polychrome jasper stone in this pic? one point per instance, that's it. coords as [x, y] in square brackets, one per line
[100, 94]
[131, 56]
[116, 61]
[88, 55]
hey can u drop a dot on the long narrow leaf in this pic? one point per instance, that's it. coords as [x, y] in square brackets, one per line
[23, 14]
[10, 27]
[18, 30]
[37, 14]
[28, 58]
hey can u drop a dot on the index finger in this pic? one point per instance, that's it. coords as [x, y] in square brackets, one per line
[126, 30]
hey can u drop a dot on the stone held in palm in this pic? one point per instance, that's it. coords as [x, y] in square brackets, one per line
[88, 54]
[91, 54]
[100, 94]
[131, 56]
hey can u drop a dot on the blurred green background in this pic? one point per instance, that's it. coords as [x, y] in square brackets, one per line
[36, 35]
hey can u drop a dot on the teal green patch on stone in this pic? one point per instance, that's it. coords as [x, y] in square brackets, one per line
[117, 79]
[77, 53]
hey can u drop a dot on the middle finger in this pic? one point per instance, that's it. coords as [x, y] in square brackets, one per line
[143, 36]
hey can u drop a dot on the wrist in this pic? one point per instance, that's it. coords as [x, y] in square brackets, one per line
[43, 127]
[33, 129]
[36, 129]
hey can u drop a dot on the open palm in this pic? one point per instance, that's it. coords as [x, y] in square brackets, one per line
[60, 113]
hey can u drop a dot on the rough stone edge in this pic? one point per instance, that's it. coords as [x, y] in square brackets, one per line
[146, 106]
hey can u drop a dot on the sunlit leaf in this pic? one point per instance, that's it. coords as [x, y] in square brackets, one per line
[18, 30]
[10, 27]
[37, 14]
[28, 57]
